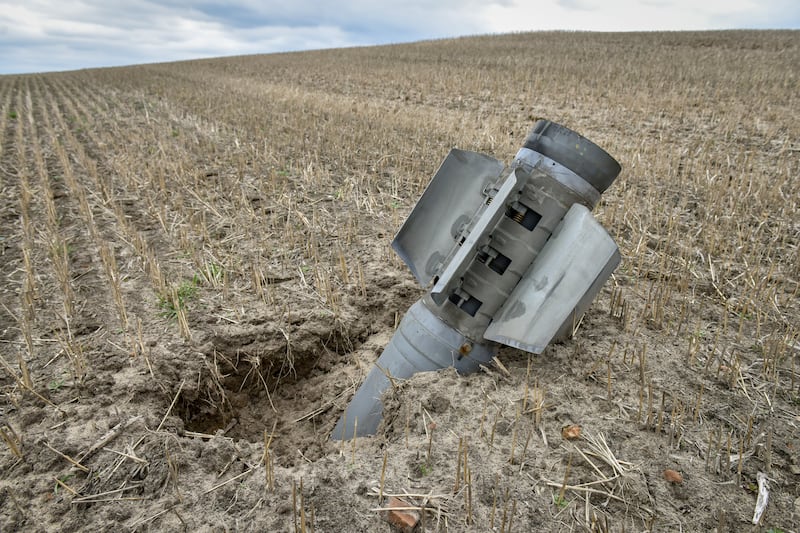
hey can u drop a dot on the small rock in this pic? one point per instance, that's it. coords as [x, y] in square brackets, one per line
[572, 432]
[404, 521]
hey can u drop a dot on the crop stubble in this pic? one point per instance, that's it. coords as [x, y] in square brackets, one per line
[196, 275]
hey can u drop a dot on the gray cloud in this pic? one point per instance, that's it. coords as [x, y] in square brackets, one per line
[41, 35]
[580, 5]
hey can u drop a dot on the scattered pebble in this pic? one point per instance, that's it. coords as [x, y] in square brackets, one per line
[572, 432]
[403, 520]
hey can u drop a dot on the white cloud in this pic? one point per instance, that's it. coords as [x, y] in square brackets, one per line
[645, 15]
[49, 35]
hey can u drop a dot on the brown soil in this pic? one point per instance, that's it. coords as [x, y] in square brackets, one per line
[196, 275]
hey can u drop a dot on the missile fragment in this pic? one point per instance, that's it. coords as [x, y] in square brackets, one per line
[511, 256]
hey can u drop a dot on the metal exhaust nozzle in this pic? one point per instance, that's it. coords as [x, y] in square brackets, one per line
[422, 342]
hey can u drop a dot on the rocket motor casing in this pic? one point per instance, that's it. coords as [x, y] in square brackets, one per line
[514, 258]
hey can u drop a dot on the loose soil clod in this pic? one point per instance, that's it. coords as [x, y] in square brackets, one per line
[401, 515]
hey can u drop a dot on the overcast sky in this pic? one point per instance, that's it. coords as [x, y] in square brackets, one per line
[45, 35]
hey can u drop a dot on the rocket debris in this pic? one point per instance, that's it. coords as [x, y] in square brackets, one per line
[513, 257]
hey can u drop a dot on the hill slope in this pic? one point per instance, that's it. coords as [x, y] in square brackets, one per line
[196, 275]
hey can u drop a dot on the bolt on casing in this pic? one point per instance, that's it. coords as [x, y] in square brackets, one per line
[514, 257]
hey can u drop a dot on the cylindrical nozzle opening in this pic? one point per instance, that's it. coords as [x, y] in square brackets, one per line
[422, 343]
[575, 152]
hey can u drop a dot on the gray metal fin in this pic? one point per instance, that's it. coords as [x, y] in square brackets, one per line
[559, 286]
[453, 196]
[479, 233]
